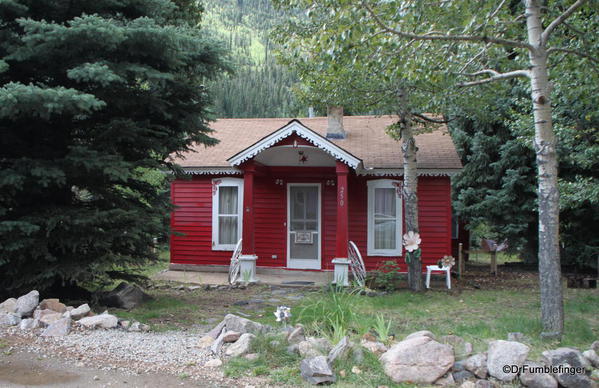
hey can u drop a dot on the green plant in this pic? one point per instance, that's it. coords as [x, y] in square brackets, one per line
[387, 275]
[330, 312]
[382, 327]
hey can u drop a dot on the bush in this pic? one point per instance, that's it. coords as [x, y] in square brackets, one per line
[387, 276]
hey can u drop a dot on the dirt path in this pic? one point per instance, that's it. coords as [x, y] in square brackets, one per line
[23, 369]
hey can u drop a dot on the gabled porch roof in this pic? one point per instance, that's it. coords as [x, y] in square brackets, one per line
[295, 127]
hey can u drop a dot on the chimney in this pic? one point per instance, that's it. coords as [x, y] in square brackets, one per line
[335, 128]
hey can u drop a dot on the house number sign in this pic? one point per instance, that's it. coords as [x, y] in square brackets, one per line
[341, 196]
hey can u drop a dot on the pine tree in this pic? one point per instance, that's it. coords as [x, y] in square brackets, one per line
[94, 96]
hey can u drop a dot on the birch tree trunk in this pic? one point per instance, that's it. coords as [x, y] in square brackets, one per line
[552, 310]
[410, 187]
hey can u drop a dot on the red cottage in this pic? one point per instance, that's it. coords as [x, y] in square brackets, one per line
[296, 192]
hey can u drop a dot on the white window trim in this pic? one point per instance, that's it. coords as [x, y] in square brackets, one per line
[387, 184]
[217, 183]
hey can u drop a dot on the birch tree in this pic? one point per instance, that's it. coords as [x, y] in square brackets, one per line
[502, 25]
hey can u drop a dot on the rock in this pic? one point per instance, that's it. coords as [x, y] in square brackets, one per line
[251, 356]
[420, 333]
[125, 296]
[242, 346]
[484, 384]
[27, 303]
[595, 346]
[47, 319]
[218, 343]
[296, 335]
[418, 360]
[462, 376]
[105, 321]
[356, 370]
[357, 354]
[477, 364]
[316, 370]
[231, 336]
[568, 357]
[66, 314]
[338, 350]
[313, 347]
[293, 349]
[80, 311]
[8, 306]
[468, 384]
[375, 347]
[9, 319]
[214, 363]
[205, 342]
[515, 336]
[59, 328]
[53, 304]
[29, 324]
[243, 325]
[461, 348]
[592, 357]
[446, 381]
[125, 324]
[536, 379]
[502, 353]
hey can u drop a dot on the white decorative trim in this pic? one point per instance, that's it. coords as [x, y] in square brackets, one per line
[387, 184]
[212, 171]
[303, 132]
[400, 172]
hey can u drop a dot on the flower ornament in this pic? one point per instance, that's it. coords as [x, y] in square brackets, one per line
[448, 261]
[411, 241]
[283, 314]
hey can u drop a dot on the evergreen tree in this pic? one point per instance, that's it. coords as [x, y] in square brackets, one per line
[93, 96]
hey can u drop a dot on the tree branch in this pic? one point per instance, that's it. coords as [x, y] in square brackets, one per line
[494, 76]
[437, 36]
[430, 120]
[575, 52]
[559, 20]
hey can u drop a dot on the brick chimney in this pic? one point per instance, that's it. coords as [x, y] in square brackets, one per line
[335, 127]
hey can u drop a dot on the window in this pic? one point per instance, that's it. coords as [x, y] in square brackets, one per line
[384, 218]
[227, 203]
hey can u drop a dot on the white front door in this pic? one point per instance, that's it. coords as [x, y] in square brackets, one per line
[303, 226]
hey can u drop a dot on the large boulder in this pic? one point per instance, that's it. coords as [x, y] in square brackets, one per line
[125, 296]
[592, 357]
[563, 360]
[29, 324]
[534, 376]
[80, 311]
[27, 303]
[9, 319]
[243, 325]
[48, 317]
[477, 364]
[231, 336]
[502, 353]
[313, 347]
[59, 328]
[105, 321]
[8, 306]
[316, 370]
[421, 333]
[418, 360]
[242, 346]
[53, 304]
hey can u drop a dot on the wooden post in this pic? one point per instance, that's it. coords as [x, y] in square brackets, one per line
[248, 210]
[342, 211]
[460, 261]
[494, 263]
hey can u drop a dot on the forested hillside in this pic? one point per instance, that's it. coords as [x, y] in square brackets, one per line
[259, 87]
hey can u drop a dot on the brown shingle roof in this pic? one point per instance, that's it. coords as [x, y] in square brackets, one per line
[366, 139]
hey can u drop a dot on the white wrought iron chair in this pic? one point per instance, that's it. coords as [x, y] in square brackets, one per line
[437, 268]
[234, 266]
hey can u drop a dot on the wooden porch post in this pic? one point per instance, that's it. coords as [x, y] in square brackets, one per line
[342, 211]
[248, 210]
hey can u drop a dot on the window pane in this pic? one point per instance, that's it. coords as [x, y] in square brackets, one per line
[227, 230]
[227, 200]
[384, 234]
[384, 203]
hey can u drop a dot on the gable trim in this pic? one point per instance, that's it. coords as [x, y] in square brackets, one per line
[295, 126]
[211, 171]
[400, 172]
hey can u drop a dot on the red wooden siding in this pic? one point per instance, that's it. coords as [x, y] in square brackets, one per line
[193, 217]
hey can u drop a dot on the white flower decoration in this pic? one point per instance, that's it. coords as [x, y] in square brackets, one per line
[283, 313]
[448, 261]
[411, 241]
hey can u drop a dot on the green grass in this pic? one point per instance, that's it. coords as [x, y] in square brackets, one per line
[163, 307]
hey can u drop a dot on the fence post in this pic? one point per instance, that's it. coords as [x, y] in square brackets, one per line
[460, 261]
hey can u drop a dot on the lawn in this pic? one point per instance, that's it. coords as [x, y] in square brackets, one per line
[479, 308]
